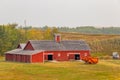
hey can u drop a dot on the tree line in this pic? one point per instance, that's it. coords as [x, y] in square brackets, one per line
[91, 30]
[12, 34]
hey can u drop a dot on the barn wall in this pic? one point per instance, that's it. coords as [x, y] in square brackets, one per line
[65, 55]
[25, 58]
[57, 55]
[9, 57]
[6, 57]
[37, 57]
[17, 58]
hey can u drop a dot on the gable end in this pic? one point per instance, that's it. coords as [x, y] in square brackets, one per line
[29, 46]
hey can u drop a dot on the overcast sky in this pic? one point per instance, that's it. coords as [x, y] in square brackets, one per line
[70, 13]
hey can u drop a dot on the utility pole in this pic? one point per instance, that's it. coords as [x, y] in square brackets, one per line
[25, 27]
[25, 23]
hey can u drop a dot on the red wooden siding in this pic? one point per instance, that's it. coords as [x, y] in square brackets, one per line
[25, 58]
[18, 58]
[71, 56]
[37, 57]
[28, 46]
[65, 55]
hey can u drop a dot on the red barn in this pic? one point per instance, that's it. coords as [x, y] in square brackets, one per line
[48, 50]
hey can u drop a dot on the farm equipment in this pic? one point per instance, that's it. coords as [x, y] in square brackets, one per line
[116, 55]
[90, 60]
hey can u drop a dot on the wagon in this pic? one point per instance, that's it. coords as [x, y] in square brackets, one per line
[90, 60]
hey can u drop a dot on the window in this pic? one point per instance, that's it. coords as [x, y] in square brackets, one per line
[85, 54]
[59, 54]
[67, 54]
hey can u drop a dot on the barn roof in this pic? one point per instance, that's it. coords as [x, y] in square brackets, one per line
[21, 45]
[63, 45]
[23, 52]
[47, 45]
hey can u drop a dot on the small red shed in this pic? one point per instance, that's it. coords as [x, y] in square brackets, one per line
[48, 50]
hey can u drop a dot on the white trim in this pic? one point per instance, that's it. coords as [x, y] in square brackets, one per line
[85, 54]
[48, 53]
[43, 57]
[67, 55]
[73, 53]
[59, 54]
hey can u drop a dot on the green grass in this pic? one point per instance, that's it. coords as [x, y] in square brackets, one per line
[74, 70]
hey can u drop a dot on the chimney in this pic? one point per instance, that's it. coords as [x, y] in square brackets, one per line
[57, 38]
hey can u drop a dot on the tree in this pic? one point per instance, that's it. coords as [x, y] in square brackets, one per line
[48, 34]
[34, 34]
[9, 37]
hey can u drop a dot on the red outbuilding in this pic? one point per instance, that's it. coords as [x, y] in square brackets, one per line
[48, 50]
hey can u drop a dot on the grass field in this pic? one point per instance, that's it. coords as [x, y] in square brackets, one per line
[74, 70]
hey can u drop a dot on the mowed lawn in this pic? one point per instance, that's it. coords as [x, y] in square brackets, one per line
[71, 70]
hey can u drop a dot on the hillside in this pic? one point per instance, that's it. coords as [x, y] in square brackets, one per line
[87, 37]
[99, 43]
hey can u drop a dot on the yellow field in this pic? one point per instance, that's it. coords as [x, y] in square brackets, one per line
[87, 37]
[74, 70]
[99, 43]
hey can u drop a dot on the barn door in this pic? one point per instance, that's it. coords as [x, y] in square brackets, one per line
[77, 56]
[50, 57]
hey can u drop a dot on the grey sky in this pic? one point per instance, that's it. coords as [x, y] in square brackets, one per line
[61, 12]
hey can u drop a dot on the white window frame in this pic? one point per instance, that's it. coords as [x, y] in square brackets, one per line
[59, 54]
[85, 54]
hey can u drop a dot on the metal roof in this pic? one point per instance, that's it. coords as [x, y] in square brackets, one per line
[21, 45]
[24, 52]
[63, 45]
[47, 45]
